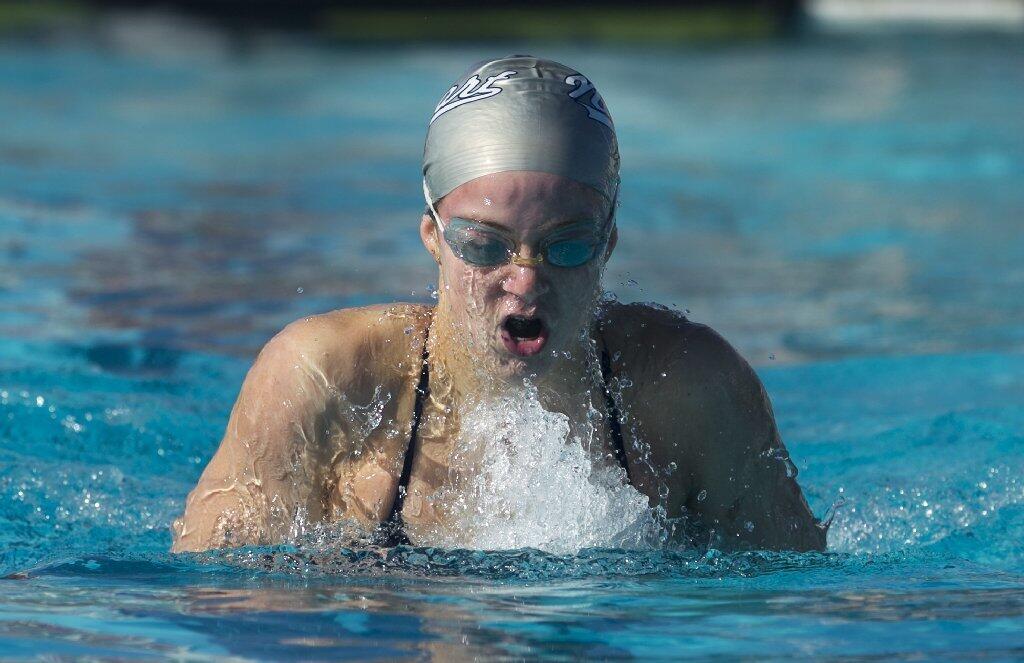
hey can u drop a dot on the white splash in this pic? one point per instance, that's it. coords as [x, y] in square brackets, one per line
[524, 480]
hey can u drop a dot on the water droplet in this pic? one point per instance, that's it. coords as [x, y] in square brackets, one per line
[831, 512]
[749, 526]
[702, 495]
[299, 290]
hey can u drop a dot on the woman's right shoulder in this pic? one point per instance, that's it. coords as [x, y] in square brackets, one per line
[354, 342]
[362, 321]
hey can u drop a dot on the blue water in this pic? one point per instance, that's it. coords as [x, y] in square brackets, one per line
[846, 211]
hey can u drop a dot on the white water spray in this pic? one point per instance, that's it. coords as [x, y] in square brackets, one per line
[525, 480]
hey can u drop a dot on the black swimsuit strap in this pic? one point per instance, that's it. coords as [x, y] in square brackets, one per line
[614, 418]
[395, 533]
[422, 391]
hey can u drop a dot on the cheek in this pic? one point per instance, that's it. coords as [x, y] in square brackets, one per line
[577, 287]
[469, 286]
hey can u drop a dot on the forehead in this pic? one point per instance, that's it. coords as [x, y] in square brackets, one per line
[524, 198]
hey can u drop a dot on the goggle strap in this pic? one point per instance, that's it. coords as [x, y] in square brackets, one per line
[430, 205]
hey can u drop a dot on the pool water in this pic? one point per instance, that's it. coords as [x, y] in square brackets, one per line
[847, 211]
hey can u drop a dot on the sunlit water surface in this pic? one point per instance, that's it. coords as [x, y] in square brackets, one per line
[846, 212]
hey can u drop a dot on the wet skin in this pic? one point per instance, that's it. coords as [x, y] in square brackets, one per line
[301, 448]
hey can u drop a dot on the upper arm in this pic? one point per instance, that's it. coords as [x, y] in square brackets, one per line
[747, 490]
[268, 468]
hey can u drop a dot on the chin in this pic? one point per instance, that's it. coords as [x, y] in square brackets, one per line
[521, 345]
[503, 367]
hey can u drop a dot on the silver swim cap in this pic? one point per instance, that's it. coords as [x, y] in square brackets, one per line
[520, 113]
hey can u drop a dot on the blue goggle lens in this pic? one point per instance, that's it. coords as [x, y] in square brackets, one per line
[570, 252]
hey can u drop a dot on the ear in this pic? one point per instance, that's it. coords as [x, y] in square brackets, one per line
[613, 239]
[428, 235]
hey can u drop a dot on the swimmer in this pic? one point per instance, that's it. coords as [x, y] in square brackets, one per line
[354, 415]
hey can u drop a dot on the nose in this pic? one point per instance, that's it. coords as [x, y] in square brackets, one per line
[525, 282]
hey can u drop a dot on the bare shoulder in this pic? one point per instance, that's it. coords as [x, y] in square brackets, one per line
[701, 406]
[687, 380]
[290, 424]
[353, 331]
[666, 349]
[354, 347]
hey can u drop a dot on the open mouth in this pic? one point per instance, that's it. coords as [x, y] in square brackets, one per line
[523, 335]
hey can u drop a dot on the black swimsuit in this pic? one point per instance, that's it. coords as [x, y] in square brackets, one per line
[392, 533]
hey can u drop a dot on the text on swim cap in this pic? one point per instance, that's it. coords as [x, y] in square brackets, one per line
[471, 90]
[595, 105]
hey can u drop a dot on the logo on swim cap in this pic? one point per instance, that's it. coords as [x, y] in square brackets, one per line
[472, 90]
[595, 106]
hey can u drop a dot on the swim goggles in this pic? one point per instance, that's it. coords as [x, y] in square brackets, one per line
[478, 244]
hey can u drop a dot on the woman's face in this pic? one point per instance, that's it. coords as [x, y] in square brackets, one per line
[517, 319]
